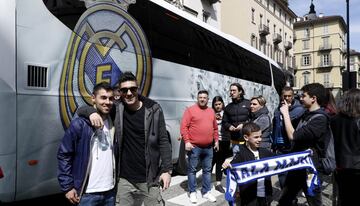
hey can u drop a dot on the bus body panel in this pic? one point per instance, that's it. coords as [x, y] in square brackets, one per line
[8, 100]
[41, 41]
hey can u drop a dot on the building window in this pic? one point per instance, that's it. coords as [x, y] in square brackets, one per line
[206, 16]
[261, 17]
[306, 44]
[274, 8]
[326, 79]
[268, 22]
[253, 15]
[263, 45]
[326, 29]
[267, 3]
[306, 60]
[253, 40]
[274, 29]
[326, 60]
[306, 78]
[326, 42]
[280, 13]
[307, 33]
[352, 60]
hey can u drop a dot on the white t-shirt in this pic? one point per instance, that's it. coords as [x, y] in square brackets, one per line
[101, 176]
[261, 181]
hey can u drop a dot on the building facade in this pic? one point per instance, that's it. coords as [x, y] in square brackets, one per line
[319, 50]
[267, 25]
[209, 11]
[355, 65]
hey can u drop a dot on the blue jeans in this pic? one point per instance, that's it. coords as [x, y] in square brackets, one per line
[205, 155]
[98, 199]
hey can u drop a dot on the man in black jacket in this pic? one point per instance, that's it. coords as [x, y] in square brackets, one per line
[311, 132]
[144, 152]
[235, 115]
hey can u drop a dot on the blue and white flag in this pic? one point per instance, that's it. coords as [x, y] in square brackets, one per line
[242, 173]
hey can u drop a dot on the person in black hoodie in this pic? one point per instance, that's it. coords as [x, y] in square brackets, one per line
[346, 130]
[311, 132]
[235, 115]
[260, 116]
[258, 192]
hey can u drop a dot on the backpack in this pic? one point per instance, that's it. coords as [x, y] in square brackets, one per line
[327, 163]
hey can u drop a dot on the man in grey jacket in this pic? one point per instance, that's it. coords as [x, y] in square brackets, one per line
[144, 152]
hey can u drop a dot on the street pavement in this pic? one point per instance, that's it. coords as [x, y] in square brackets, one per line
[177, 194]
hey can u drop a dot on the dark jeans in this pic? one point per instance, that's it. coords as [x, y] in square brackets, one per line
[98, 199]
[220, 156]
[347, 179]
[205, 156]
[296, 181]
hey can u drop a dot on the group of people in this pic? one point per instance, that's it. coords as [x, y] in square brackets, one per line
[118, 150]
[246, 127]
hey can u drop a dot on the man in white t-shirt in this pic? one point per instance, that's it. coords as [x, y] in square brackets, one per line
[86, 169]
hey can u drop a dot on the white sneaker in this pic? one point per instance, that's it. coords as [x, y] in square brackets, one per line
[209, 196]
[193, 198]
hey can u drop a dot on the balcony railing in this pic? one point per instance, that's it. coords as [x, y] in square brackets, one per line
[328, 85]
[326, 64]
[325, 47]
[287, 45]
[277, 38]
[264, 30]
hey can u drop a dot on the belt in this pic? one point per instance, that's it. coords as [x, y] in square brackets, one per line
[237, 142]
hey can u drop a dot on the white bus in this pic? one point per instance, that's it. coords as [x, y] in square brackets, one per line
[52, 52]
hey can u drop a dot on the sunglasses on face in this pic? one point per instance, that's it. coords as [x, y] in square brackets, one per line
[125, 90]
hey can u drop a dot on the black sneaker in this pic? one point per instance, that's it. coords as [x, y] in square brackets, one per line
[219, 188]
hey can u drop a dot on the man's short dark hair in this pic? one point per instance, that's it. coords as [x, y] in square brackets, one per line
[127, 76]
[249, 128]
[102, 85]
[318, 90]
[240, 88]
[203, 92]
[287, 89]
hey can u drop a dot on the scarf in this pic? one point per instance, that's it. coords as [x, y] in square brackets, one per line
[242, 173]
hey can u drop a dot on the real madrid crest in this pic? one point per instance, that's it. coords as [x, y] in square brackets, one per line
[106, 42]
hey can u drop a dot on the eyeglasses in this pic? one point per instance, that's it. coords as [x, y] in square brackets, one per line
[125, 90]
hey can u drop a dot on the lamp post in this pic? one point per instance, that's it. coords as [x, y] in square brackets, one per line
[348, 44]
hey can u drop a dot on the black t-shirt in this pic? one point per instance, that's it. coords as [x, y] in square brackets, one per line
[133, 165]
